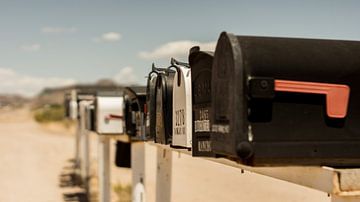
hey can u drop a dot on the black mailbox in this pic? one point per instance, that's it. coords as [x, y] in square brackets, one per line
[90, 118]
[286, 101]
[67, 99]
[163, 105]
[150, 123]
[135, 111]
[201, 68]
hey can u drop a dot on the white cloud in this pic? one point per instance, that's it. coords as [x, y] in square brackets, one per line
[58, 30]
[126, 76]
[15, 83]
[108, 37]
[111, 36]
[30, 47]
[176, 49]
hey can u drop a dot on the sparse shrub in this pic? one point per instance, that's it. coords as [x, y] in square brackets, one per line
[123, 192]
[49, 113]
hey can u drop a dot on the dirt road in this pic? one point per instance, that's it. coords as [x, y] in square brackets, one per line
[33, 156]
[31, 159]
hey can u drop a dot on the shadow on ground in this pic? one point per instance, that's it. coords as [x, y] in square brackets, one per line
[71, 184]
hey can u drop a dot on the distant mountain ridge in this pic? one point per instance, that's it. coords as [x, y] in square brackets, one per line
[12, 100]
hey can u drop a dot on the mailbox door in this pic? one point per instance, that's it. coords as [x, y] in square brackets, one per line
[151, 106]
[105, 107]
[201, 67]
[67, 99]
[90, 117]
[160, 136]
[168, 107]
[228, 120]
[182, 108]
[129, 118]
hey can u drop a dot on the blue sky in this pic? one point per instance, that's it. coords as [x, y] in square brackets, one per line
[51, 43]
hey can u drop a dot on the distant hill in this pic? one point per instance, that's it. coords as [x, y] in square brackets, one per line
[13, 101]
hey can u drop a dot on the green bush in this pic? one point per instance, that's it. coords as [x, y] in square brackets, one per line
[49, 113]
[123, 192]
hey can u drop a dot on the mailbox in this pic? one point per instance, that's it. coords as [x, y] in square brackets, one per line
[135, 111]
[150, 123]
[90, 117]
[67, 99]
[109, 113]
[201, 68]
[286, 101]
[182, 106]
[71, 105]
[163, 108]
[83, 96]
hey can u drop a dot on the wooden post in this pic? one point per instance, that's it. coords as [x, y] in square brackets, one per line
[84, 147]
[163, 175]
[104, 168]
[77, 145]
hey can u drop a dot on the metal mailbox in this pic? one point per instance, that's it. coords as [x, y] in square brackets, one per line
[67, 99]
[109, 113]
[201, 68]
[90, 117]
[135, 111]
[163, 109]
[150, 123]
[182, 105]
[286, 101]
[71, 105]
[83, 96]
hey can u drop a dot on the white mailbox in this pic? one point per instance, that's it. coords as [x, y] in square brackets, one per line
[182, 106]
[109, 115]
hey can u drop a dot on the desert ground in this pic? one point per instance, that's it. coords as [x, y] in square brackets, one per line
[33, 157]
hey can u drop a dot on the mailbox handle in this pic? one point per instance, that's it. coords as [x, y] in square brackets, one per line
[155, 69]
[178, 73]
[174, 63]
[113, 117]
[337, 95]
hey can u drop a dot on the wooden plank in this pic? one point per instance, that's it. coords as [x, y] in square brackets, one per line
[181, 177]
[326, 179]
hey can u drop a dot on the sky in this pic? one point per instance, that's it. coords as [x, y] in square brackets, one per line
[61, 42]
